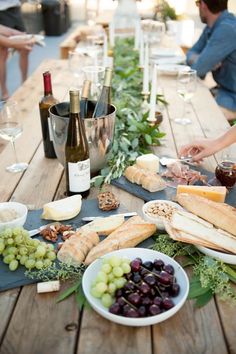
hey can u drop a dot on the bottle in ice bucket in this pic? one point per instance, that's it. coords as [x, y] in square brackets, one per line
[84, 99]
[102, 106]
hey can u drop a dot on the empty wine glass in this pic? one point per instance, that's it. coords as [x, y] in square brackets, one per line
[95, 74]
[10, 129]
[186, 87]
[77, 59]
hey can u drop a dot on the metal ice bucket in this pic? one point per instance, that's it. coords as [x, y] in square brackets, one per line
[99, 132]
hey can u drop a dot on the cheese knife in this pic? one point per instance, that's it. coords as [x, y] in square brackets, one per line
[91, 218]
[41, 228]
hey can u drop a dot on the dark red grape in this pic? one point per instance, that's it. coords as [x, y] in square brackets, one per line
[118, 293]
[157, 300]
[167, 303]
[150, 279]
[144, 288]
[142, 311]
[158, 264]
[174, 289]
[165, 278]
[132, 313]
[135, 265]
[146, 301]
[169, 269]
[144, 272]
[136, 278]
[121, 301]
[129, 286]
[125, 309]
[134, 298]
[115, 308]
[148, 265]
[154, 310]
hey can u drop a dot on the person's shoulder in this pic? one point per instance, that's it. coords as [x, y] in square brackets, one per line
[228, 21]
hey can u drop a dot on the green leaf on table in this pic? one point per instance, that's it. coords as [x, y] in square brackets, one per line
[203, 299]
[196, 290]
[69, 291]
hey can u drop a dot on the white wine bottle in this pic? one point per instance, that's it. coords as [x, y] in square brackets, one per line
[84, 99]
[102, 106]
[77, 151]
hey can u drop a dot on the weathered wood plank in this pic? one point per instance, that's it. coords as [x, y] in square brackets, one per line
[7, 301]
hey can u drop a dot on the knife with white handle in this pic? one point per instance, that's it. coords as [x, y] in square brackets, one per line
[91, 218]
[39, 229]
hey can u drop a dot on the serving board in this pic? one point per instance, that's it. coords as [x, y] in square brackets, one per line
[8, 279]
[168, 193]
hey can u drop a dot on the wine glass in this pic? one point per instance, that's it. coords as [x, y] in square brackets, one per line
[10, 129]
[95, 74]
[77, 59]
[186, 87]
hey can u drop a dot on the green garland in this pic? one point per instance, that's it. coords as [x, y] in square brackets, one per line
[133, 134]
[210, 276]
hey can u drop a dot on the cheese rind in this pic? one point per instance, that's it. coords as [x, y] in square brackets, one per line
[62, 209]
[216, 194]
[149, 162]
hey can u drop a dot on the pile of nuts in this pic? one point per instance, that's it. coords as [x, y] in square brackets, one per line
[161, 209]
[50, 233]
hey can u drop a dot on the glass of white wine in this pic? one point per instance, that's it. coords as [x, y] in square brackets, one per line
[186, 87]
[10, 129]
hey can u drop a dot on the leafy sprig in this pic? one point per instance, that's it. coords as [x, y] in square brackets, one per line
[210, 276]
[133, 135]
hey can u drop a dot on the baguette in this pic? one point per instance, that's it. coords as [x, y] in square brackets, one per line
[75, 249]
[147, 179]
[130, 234]
[221, 215]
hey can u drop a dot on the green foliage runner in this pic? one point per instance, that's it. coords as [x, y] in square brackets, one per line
[133, 134]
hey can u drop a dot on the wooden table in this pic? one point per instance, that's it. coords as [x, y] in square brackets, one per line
[36, 324]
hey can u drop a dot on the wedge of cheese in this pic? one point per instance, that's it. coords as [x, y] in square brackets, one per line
[62, 209]
[217, 194]
[104, 226]
[149, 162]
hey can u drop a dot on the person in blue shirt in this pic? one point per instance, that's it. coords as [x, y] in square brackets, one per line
[215, 51]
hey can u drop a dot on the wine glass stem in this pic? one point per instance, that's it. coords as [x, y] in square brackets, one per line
[184, 109]
[14, 148]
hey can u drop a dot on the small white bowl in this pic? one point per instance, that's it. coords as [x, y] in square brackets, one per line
[146, 255]
[158, 220]
[21, 211]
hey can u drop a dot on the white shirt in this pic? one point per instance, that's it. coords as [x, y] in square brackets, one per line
[6, 4]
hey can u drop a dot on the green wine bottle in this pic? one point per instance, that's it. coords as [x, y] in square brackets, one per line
[77, 151]
[102, 106]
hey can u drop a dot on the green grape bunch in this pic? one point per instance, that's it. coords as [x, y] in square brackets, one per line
[18, 248]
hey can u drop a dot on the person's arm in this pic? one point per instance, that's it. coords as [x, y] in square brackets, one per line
[19, 44]
[7, 31]
[200, 149]
[219, 46]
[193, 53]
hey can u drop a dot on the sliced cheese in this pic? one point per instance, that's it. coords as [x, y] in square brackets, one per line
[217, 194]
[104, 226]
[149, 162]
[62, 209]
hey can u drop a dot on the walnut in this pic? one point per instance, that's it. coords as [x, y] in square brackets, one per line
[49, 234]
[107, 201]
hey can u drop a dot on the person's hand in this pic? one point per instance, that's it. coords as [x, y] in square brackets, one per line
[199, 149]
[22, 44]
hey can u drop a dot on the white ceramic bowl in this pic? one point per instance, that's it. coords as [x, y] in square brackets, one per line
[146, 255]
[21, 211]
[221, 256]
[158, 220]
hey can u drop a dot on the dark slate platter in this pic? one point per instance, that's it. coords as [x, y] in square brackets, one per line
[169, 192]
[8, 279]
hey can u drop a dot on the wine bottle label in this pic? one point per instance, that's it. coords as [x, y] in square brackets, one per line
[50, 130]
[79, 176]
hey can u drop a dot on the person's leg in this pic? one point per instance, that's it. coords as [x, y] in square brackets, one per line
[3, 73]
[229, 115]
[23, 63]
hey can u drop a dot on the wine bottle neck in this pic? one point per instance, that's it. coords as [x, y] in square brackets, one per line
[74, 102]
[108, 77]
[47, 84]
[86, 89]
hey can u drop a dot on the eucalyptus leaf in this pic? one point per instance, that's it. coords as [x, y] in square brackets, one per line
[203, 299]
[68, 292]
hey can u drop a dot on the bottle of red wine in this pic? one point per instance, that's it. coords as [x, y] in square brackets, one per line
[102, 106]
[84, 99]
[77, 151]
[46, 102]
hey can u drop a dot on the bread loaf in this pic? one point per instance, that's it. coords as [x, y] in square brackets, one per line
[147, 179]
[221, 215]
[130, 234]
[75, 249]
